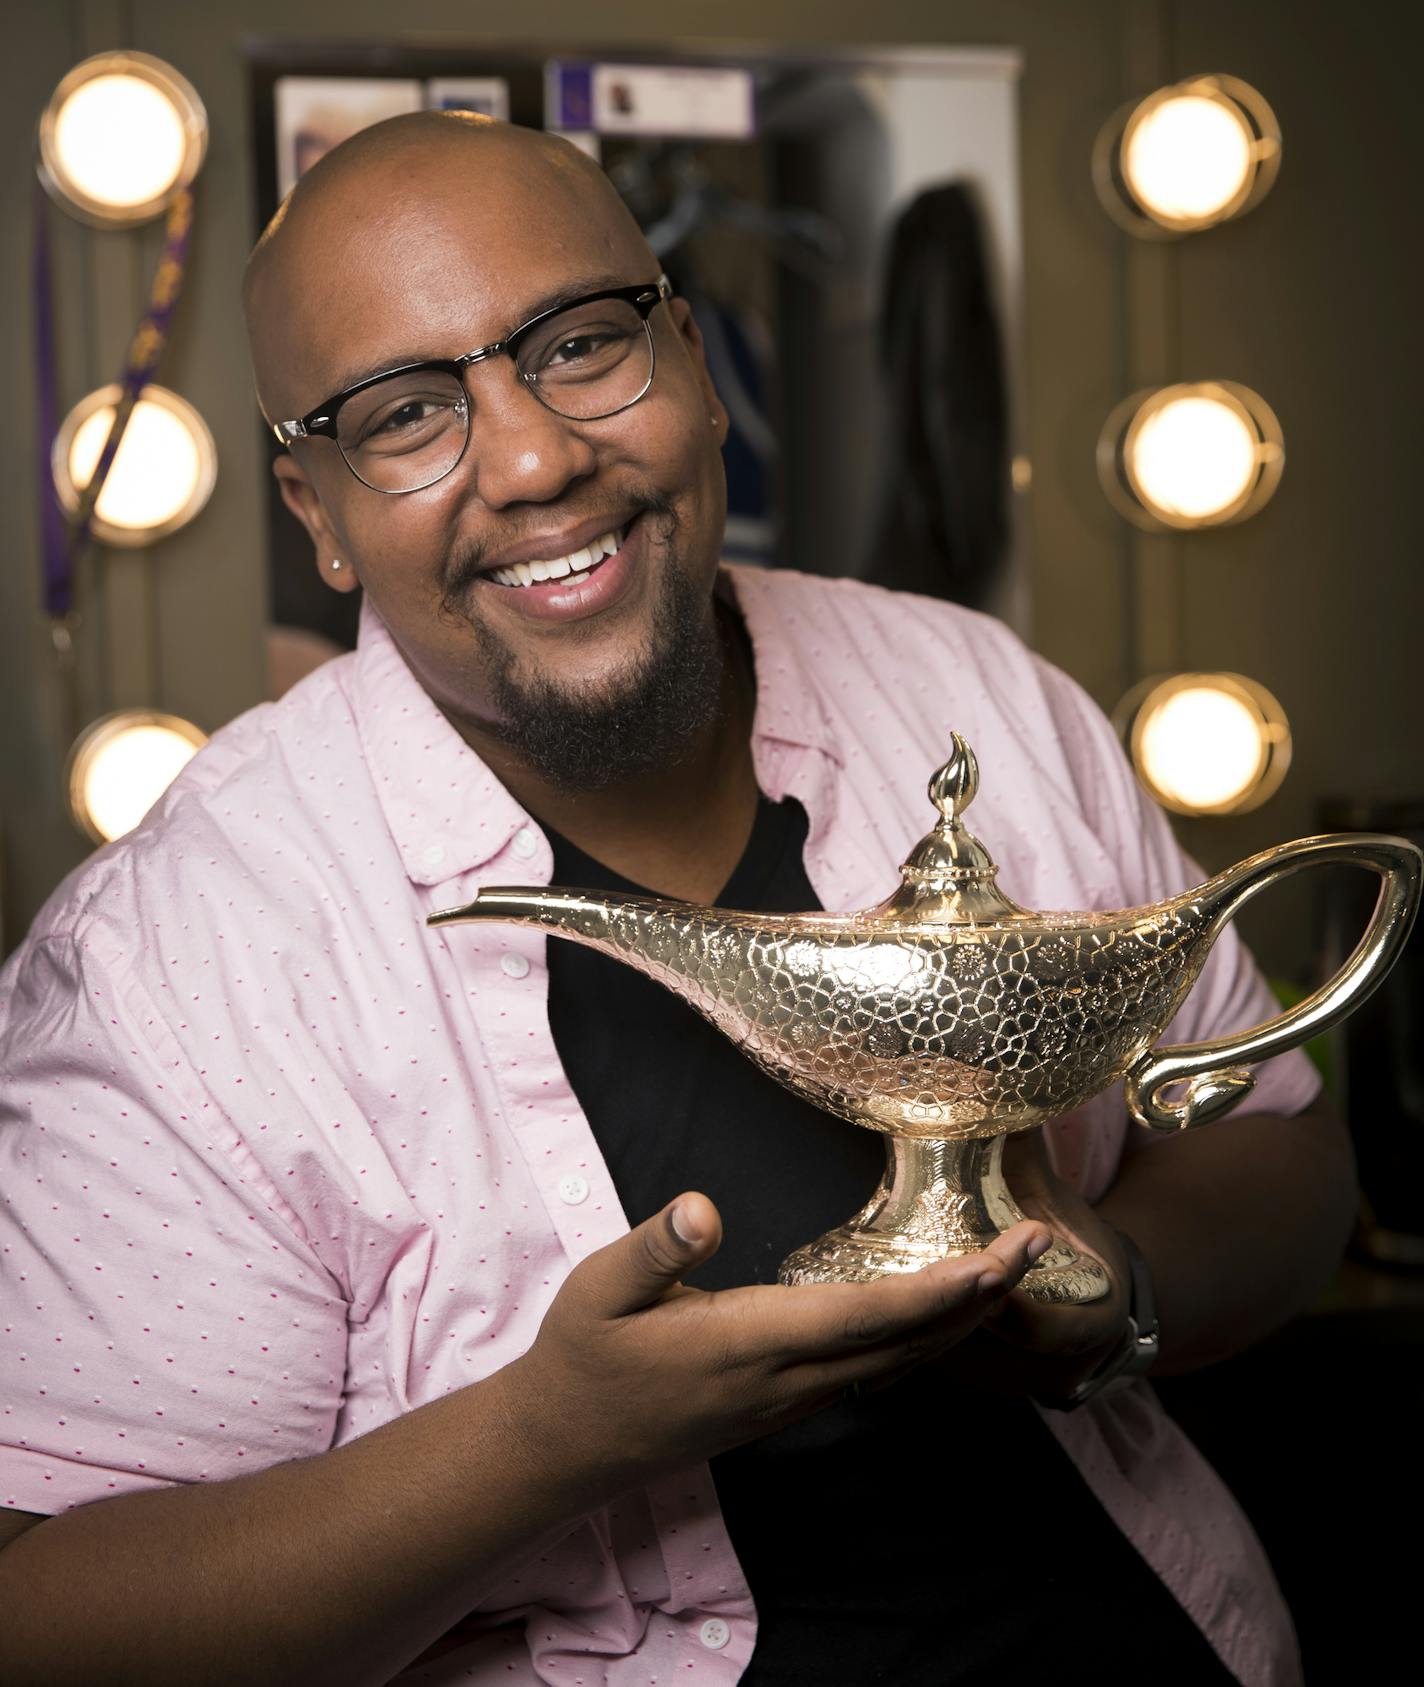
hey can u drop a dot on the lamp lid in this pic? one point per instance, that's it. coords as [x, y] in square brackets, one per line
[949, 878]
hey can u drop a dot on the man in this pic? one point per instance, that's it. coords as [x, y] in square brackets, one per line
[316, 1241]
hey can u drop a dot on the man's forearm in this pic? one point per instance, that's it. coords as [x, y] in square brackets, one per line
[1242, 1224]
[335, 1569]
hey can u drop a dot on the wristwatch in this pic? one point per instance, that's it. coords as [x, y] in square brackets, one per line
[1136, 1353]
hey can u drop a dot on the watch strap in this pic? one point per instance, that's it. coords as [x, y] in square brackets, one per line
[1137, 1351]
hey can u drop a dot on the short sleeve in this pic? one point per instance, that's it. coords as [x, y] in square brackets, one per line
[1231, 994]
[162, 1317]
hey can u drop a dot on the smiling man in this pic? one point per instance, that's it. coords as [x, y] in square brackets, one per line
[317, 1221]
[562, 619]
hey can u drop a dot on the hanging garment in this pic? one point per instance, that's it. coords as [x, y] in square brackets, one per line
[943, 523]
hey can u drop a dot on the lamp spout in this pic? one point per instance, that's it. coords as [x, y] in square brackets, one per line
[667, 940]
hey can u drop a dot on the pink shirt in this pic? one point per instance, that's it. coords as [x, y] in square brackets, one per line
[279, 1163]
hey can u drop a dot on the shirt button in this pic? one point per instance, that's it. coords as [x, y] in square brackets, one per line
[573, 1189]
[433, 856]
[524, 843]
[514, 966]
[714, 1634]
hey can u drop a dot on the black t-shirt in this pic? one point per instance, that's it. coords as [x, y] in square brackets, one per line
[925, 1535]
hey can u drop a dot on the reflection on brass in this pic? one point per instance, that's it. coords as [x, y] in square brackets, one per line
[948, 1016]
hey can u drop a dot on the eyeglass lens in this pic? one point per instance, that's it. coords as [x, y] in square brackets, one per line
[407, 431]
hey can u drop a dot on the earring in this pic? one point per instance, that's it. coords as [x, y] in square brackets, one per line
[335, 563]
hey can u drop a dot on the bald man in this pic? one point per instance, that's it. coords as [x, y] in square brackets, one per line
[391, 1289]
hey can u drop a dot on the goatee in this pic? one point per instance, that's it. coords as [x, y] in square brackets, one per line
[648, 716]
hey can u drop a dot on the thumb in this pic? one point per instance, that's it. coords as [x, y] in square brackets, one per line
[642, 1266]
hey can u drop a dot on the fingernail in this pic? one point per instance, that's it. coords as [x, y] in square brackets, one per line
[1039, 1247]
[990, 1282]
[683, 1227]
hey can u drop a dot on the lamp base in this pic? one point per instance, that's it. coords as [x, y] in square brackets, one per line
[939, 1200]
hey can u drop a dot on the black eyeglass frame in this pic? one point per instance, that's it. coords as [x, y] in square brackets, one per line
[320, 422]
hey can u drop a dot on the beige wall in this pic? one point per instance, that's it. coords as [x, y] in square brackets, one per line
[1311, 299]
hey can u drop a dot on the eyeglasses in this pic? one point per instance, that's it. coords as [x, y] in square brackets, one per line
[406, 428]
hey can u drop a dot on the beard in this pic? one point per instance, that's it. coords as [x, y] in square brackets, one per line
[648, 716]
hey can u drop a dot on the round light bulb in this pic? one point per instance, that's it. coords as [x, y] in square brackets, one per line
[162, 474]
[120, 140]
[120, 766]
[154, 473]
[1193, 458]
[1206, 743]
[122, 136]
[1189, 158]
[1197, 454]
[1202, 748]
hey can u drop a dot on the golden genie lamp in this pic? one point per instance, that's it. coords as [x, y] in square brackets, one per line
[948, 1017]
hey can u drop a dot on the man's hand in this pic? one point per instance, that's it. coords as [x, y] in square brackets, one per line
[1043, 1348]
[1241, 1223]
[633, 1373]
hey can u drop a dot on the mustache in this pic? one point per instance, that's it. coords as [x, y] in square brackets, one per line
[470, 561]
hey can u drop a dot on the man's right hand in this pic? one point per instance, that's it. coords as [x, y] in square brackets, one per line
[633, 1373]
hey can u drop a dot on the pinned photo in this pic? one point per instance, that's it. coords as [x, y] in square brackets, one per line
[487, 95]
[316, 113]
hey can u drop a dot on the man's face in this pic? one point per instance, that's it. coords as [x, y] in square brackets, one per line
[430, 259]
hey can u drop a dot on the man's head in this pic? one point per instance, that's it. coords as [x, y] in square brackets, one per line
[423, 238]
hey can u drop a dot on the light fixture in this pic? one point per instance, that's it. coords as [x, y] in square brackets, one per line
[162, 476]
[1206, 743]
[121, 765]
[1187, 157]
[122, 136]
[1198, 454]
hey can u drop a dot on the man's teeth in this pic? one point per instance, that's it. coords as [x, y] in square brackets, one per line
[531, 573]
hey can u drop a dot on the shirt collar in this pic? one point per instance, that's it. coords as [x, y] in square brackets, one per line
[446, 810]
[789, 709]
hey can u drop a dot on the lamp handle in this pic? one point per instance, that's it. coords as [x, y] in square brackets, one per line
[1213, 1079]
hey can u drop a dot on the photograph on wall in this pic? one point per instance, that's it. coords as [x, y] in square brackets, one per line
[487, 95]
[316, 113]
[710, 102]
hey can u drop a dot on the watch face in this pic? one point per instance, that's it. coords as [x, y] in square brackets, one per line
[1145, 1347]
[1142, 1322]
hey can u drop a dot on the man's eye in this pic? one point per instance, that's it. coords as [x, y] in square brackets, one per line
[579, 348]
[407, 422]
[407, 415]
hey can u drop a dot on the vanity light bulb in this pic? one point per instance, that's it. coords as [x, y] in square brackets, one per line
[1202, 748]
[154, 473]
[120, 140]
[1189, 158]
[162, 475]
[1191, 155]
[121, 765]
[1193, 455]
[1193, 458]
[1207, 743]
[121, 137]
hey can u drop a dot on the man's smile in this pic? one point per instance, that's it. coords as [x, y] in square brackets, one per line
[538, 570]
[570, 576]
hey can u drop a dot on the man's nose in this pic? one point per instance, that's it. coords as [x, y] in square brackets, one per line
[520, 450]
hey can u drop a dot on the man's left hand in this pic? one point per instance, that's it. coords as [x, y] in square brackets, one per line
[1046, 1348]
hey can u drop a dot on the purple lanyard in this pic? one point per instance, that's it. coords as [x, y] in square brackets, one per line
[62, 540]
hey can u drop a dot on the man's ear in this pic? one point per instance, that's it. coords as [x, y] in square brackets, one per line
[691, 336]
[303, 500]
